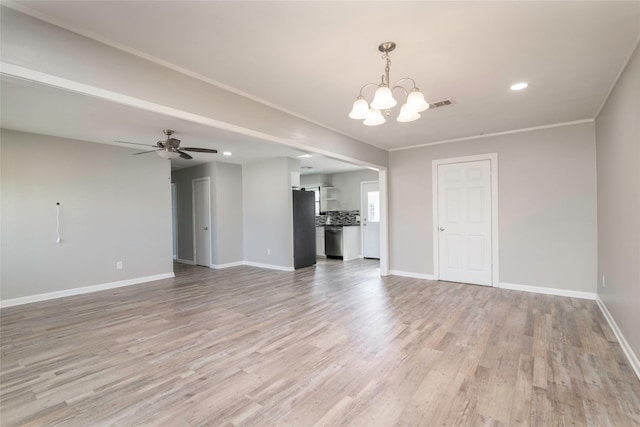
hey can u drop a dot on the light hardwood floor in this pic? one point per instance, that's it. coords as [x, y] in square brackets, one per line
[334, 345]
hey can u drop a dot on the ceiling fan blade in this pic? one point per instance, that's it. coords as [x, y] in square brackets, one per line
[145, 152]
[136, 143]
[200, 150]
[184, 155]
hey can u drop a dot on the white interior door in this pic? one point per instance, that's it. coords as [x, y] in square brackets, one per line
[201, 222]
[464, 222]
[370, 219]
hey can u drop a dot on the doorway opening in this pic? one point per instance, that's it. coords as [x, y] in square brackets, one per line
[201, 221]
[370, 214]
[174, 219]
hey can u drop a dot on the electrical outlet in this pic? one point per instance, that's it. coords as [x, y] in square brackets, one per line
[119, 265]
[268, 251]
[604, 282]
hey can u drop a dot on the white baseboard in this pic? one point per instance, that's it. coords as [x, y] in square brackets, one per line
[548, 291]
[82, 290]
[237, 263]
[227, 265]
[410, 274]
[628, 351]
[268, 266]
[511, 286]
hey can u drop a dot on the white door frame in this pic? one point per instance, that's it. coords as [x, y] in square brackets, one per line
[493, 159]
[174, 219]
[193, 217]
[362, 183]
[384, 222]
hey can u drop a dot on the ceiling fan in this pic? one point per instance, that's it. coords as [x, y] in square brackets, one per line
[170, 147]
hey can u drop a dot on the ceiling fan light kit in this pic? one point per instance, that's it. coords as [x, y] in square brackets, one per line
[166, 154]
[383, 100]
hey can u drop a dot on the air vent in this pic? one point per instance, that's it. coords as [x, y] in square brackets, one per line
[442, 103]
[305, 167]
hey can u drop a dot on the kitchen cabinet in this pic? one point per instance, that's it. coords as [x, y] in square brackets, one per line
[320, 242]
[328, 199]
[351, 244]
[342, 242]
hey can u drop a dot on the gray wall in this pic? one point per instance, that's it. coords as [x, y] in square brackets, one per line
[547, 206]
[266, 192]
[348, 186]
[226, 211]
[315, 179]
[228, 214]
[618, 158]
[114, 207]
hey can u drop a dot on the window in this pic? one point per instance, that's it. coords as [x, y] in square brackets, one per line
[373, 206]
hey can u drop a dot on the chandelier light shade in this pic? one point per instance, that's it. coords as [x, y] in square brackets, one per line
[360, 109]
[374, 118]
[383, 100]
[416, 101]
[407, 114]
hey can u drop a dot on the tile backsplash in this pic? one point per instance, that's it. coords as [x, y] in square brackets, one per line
[339, 218]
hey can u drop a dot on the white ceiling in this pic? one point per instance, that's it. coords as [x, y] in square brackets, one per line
[311, 58]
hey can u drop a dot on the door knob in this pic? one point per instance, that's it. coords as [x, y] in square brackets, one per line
[441, 228]
[206, 228]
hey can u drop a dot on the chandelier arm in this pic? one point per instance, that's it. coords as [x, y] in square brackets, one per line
[406, 78]
[368, 84]
[397, 86]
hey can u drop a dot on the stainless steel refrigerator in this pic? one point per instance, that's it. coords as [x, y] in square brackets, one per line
[304, 228]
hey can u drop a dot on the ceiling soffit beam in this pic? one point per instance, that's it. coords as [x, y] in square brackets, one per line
[60, 58]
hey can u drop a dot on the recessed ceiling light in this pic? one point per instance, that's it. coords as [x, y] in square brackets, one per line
[519, 86]
[305, 156]
[227, 153]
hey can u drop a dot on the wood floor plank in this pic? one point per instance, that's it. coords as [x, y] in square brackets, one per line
[330, 345]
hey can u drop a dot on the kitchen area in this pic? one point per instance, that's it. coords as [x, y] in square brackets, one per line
[338, 204]
[338, 234]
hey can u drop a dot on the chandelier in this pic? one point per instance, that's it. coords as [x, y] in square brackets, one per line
[383, 100]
